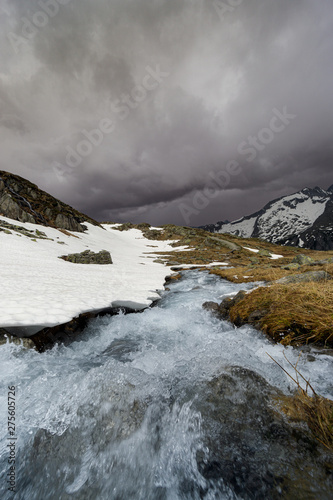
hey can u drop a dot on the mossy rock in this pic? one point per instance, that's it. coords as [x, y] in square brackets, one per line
[306, 277]
[152, 234]
[264, 253]
[291, 267]
[303, 260]
[143, 226]
[89, 257]
[41, 233]
[214, 241]
[125, 227]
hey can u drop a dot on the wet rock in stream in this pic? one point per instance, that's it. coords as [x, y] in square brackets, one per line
[253, 448]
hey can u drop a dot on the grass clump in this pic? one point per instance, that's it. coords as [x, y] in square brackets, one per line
[293, 314]
[311, 408]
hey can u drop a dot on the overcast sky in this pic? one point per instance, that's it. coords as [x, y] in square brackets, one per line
[129, 109]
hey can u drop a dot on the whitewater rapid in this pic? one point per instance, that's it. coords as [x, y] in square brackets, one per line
[131, 410]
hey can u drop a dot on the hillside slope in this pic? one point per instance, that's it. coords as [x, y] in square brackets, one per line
[23, 201]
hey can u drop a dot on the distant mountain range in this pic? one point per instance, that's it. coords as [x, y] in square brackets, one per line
[303, 219]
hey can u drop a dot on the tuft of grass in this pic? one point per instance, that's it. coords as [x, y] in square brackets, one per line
[293, 314]
[313, 409]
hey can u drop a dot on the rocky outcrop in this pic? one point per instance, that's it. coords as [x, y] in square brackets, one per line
[211, 307]
[11, 209]
[306, 277]
[89, 257]
[23, 201]
[8, 228]
[213, 241]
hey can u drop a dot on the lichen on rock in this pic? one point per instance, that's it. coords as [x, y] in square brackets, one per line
[89, 257]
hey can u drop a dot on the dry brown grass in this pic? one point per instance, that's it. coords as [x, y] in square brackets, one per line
[265, 271]
[293, 314]
[68, 233]
[243, 274]
[307, 406]
[203, 250]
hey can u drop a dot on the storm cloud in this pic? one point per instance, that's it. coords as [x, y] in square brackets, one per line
[129, 109]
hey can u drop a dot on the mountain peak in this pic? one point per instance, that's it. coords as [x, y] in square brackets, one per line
[302, 219]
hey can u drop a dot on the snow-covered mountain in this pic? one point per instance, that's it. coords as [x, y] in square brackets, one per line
[302, 219]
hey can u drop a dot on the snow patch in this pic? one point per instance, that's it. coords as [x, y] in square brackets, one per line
[251, 249]
[38, 288]
[275, 256]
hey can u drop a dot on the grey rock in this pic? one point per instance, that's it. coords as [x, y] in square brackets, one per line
[89, 257]
[40, 233]
[303, 260]
[212, 241]
[23, 201]
[12, 210]
[264, 253]
[211, 306]
[306, 277]
[8, 228]
[68, 223]
[252, 446]
[291, 267]
[228, 303]
[6, 337]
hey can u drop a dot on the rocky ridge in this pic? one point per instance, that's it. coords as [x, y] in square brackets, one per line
[23, 201]
[303, 219]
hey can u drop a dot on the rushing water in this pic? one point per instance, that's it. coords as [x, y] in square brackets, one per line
[167, 404]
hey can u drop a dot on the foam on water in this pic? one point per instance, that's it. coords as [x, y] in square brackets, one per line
[114, 415]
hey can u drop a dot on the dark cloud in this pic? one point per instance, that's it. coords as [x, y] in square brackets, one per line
[187, 87]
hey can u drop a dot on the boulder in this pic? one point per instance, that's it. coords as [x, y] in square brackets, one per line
[264, 253]
[306, 277]
[291, 267]
[303, 260]
[89, 257]
[212, 240]
[228, 303]
[211, 306]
